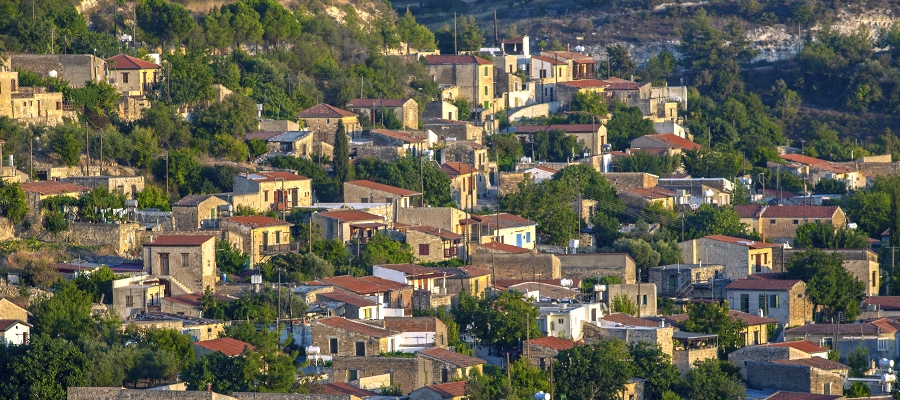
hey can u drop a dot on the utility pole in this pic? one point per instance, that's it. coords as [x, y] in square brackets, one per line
[167, 173]
[455, 49]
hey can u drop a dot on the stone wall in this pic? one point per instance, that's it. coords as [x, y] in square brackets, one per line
[636, 292]
[655, 335]
[130, 186]
[291, 396]
[403, 371]
[631, 180]
[786, 228]
[740, 357]
[438, 217]
[795, 378]
[322, 334]
[521, 266]
[873, 169]
[425, 247]
[509, 182]
[580, 266]
[684, 359]
[120, 239]
[118, 393]
[861, 263]
[382, 153]
[8, 310]
[734, 257]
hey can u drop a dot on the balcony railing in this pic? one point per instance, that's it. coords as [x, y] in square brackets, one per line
[282, 248]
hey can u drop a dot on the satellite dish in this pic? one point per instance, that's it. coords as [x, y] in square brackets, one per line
[53, 73]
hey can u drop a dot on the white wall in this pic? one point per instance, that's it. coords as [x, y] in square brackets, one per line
[389, 274]
[508, 236]
[16, 334]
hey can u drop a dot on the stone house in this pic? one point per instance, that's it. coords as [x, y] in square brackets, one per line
[783, 300]
[129, 186]
[419, 277]
[567, 320]
[187, 262]
[225, 345]
[662, 144]
[343, 337]
[591, 136]
[9, 310]
[441, 391]
[447, 218]
[449, 130]
[471, 280]
[552, 67]
[440, 110]
[688, 348]
[198, 329]
[188, 304]
[815, 170]
[323, 120]
[462, 183]
[632, 330]
[697, 191]
[77, 69]
[363, 191]
[631, 180]
[392, 297]
[288, 190]
[38, 191]
[30, 105]
[679, 280]
[520, 266]
[781, 222]
[401, 371]
[483, 249]
[775, 351]
[438, 365]
[256, 235]
[741, 257]
[14, 332]
[472, 75]
[195, 212]
[432, 244]
[541, 352]
[784, 395]
[132, 76]
[471, 153]
[642, 294]
[640, 198]
[136, 295]
[511, 229]
[756, 328]
[807, 375]
[407, 141]
[861, 263]
[422, 332]
[346, 225]
[881, 306]
[289, 143]
[355, 306]
[585, 265]
[406, 110]
[878, 337]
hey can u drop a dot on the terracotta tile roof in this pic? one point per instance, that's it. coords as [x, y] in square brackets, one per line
[451, 59]
[741, 241]
[442, 233]
[750, 319]
[347, 298]
[567, 128]
[882, 326]
[364, 285]
[799, 211]
[782, 194]
[180, 240]
[412, 324]
[226, 345]
[552, 342]
[53, 187]
[476, 146]
[506, 220]
[450, 357]
[749, 210]
[454, 169]
[515, 40]
[350, 216]
[549, 60]
[6, 324]
[608, 84]
[384, 188]
[376, 103]
[803, 345]
[272, 176]
[674, 141]
[449, 390]
[802, 396]
[265, 136]
[399, 135]
[815, 362]
[506, 283]
[816, 163]
[257, 221]
[762, 284]
[568, 55]
[650, 193]
[323, 110]
[125, 62]
[891, 303]
[343, 388]
[628, 320]
[358, 327]
[191, 200]
[585, 83]
[408, 269]
[193, 299]
[465, 272]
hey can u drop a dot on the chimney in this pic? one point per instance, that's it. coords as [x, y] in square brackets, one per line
[209, 387]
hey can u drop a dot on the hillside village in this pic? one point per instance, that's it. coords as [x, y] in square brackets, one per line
[260, 201]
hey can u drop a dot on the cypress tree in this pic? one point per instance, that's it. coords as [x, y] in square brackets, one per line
[341, 158]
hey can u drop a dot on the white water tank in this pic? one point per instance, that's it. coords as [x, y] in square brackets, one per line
[313, 350]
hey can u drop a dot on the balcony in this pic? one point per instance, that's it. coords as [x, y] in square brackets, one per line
[274, 249]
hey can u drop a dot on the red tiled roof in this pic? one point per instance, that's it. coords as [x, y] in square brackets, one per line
[348, 298]
[506, 248]
[567, 128]
[451, 357]
[344, 388]
[358, 327]
[674, 141]
[465, 272]
[815, 362]
[449, 390]
[454, 169]
[779, 194]
[506, 220]
[628, 320]
[376, 103]
[399, 135]
[512, 282]
[609, 84]
[193, 299]
[180, 240]
[271, 176]
[442, 233]
[884, 302]
[552, 342]
[6, 324]
[802, 396]
[226, 345]
[650, 193]
[384, 188]
[191, 200]
[125, 62]
[412, 324]
[750, 319]
[451, 59]
[799, 212]
[762, 284]
[550, 60]
[816, 163]
[743, 242]
[408, 269]
[257, 221]
[53, 187]
[880, 326]
[323, 110]
[748, 210]
[363, 285]
[585, 83]
[350, 215]
[803, 345]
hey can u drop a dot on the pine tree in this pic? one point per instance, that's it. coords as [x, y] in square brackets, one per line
[341, 158]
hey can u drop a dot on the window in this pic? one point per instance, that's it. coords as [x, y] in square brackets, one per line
[745, 303]
[543, 363]
[828, 342]
[129, 301]
[485, 71]
[163, 263]
[561, 321]
[445, 375]
[360, 349]
[476, 286]
[367, 313]
[796, 222]
[333, 345]
[124, 77]
[826, 388]
[761, 302]
[265, 195]
[883, 344]
[423, 250]
[277, 237]
[487, 104]
[185, 260]
[773, 301]
[485, 90]
[644, 300]
[874, 278]
[352, 375]
[527, 237]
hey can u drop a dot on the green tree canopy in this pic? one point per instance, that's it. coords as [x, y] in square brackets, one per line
[828, 283]
[812, 235]
[713, 318]
[381, 249]
[597, 371]
[713, 379]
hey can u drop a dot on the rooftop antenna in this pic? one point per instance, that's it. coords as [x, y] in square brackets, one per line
[496, 34]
